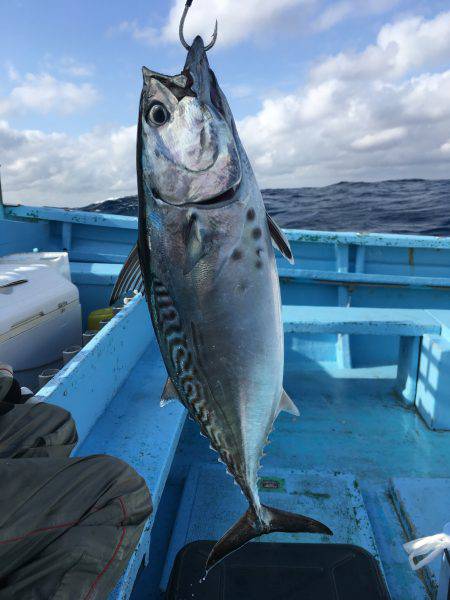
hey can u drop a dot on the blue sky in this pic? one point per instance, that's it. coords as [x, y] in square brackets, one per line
[322, 91]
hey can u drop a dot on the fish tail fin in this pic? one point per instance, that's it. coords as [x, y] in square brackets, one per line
[250, 525]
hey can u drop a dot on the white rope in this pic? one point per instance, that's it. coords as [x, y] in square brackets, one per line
[429, 547]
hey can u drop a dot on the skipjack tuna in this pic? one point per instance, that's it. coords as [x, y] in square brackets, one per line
[205, 260]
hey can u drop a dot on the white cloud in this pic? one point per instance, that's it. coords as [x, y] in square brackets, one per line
[68, 65]
[417, 42]
[43, 93]
[147, 35]
[445, 148]
[427, 97]
[345, 9]
[401, 47]
[61, 170]
[333, 15]
[360, 116]
[379, 140]
[13, 74]
[341, 130]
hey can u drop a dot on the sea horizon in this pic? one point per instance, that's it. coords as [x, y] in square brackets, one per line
[413, 206]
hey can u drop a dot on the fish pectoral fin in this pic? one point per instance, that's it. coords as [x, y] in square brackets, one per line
[169, 393]
[287, 405]
[251, 525]
[130, 277]
[196, 245]
[279, 239]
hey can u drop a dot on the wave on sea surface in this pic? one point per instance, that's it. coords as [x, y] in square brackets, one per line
[414, 206]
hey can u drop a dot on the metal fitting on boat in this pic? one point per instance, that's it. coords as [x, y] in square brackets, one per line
[46, 375]
[69, 353]
[88, 335]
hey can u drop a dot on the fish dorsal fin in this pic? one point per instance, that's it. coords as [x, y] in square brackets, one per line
[287, 405]
[169, 393]
[279, 239]
[130, 277]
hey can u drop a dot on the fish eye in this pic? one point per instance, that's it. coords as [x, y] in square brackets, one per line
[157, 114]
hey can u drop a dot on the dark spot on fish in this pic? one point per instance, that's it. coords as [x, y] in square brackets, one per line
[171, 315]
[259, 264]
[236, 254]
[259, 251]
[202, 138]
[256, 233]
[251, 214]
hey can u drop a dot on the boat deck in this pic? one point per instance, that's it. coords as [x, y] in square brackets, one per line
[351, 422]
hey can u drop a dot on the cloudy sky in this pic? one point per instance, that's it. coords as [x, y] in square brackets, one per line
[322, 91]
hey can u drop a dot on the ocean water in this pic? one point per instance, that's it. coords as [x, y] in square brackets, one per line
[415, 206]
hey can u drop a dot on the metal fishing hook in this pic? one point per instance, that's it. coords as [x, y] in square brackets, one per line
[183, 18]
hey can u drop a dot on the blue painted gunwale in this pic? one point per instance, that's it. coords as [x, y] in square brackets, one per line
[37, 213]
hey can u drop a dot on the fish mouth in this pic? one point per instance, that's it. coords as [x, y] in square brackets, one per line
[221, 199]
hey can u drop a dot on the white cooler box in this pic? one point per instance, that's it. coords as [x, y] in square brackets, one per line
[40, 316]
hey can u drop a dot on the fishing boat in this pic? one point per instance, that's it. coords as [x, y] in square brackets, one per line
[367, 361]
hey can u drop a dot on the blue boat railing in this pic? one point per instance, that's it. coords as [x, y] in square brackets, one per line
[331, 269]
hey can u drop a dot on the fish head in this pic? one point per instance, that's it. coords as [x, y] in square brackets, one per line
[187, 142]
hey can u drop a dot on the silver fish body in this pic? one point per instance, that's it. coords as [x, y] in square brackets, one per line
[208, 266]
[215, 304]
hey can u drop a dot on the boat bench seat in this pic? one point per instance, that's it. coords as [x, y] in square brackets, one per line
[410, 324]
[359, 320]
[352, 280]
